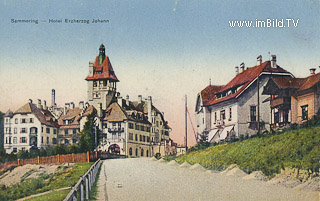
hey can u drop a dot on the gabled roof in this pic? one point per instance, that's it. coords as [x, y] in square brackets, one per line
[103, 71]
[44, 116]
[310, 81]
[208, 94]
[9, 113]
[244, 79]
[73, 116]
[114, 113]
[288, 82]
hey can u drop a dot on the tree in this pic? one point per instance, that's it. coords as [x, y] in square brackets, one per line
[89, 135]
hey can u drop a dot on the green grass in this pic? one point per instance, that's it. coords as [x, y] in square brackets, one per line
[66, 177]
[268, 153]
[53, 196]
[94, 190]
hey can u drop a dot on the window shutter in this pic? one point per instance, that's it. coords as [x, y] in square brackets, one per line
[20, 139]
[26, 140]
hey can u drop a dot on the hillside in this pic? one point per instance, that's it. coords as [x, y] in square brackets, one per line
[268, 153]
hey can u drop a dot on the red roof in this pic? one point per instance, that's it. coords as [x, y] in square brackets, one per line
[243, 80]
[104, 71]
[208, 94]
[310, 82]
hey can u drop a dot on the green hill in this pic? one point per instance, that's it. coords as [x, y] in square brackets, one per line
[269, 153]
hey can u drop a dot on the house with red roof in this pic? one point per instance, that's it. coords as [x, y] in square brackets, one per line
[229, 111]
[30, 126]
[293, 100]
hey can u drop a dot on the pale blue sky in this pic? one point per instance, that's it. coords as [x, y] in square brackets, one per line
[160, 48]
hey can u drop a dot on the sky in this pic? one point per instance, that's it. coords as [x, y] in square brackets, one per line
[164, 49]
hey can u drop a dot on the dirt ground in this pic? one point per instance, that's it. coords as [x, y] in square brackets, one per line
[25, 172]
[146, 179]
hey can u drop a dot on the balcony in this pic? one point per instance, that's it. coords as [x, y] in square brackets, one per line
[281, 101]
[110, 130]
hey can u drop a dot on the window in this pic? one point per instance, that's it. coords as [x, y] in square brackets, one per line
[114, 124]
[48, 130]
[16, 120]
[140, 138]
[54, 141]
[215, 116]
[15, 150]
[66, 131]
[131, 125]
[7, 120]
[47, 140]
[202, 120]
[15, 130]
[130, 151]
[31, 120]
[41, 139]
[148, 129]
[23, 130]
[95, 84]
[136, 151]
[130, 136]
[276, 117]
[54, 131]
[144, 138]
[230, 114]
[23, 140]
[253, 113]
[74, 141]
[136, 137]
[142, 128]
[222, 115]
[41, 129]
[74, 131]
[23, 120]
[15, 140]
[160, 123]
[9, 140]
[304, 112]
[148, 139]
[157, 124]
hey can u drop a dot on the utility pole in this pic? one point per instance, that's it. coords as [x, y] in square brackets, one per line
[258, 104]
[186, 138]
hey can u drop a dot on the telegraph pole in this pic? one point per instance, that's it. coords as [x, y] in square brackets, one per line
[258, 105]
[186, 138]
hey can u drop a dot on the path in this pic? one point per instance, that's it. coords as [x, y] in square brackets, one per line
[142, 179]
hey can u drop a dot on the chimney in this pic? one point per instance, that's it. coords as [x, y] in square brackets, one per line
[312, 71]
[149, 104]
[30, 100]
[119, 99]
[67, 105]
[273, 61]
[259, 60]
[237, 70]
[90, 68]
[53, 97]
[86, 105]
[45, 105]
[139, 99]
[242, 66]
[100, 110]
[65, 110]
[81, 105]
[72, 105]
[127, 100]
[39, 104]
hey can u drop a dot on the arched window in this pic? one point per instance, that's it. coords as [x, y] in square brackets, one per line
[147, 153]
[136, 151]
[130, 151]
[141, 152]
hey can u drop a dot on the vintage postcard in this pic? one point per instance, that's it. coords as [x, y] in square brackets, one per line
[159, 100]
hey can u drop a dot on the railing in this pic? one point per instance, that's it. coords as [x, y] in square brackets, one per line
[84, 184]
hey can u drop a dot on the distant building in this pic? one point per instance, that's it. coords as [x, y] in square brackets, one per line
[72, 121]
[231, 110]
[31, 125]
[293, 100]
[131, 128]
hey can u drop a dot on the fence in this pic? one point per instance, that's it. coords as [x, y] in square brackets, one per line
[84, 184]
[56, 159]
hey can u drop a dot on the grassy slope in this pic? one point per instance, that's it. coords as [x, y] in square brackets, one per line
[298, 148]
[65, 178]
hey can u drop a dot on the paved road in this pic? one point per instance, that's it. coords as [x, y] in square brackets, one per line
[142, 179]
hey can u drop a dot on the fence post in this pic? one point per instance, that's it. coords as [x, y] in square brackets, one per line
[38, 160]
[88, 157]
[87, 186]
[96, 155]
[18, 162]
[58, 158]
[81, 190]
[72, 157]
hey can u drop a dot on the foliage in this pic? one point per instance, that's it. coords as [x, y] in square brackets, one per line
[64, 178]
[269, 153]
[53, 196]
[88, 135]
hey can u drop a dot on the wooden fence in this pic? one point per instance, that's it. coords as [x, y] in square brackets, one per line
[56, 159]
